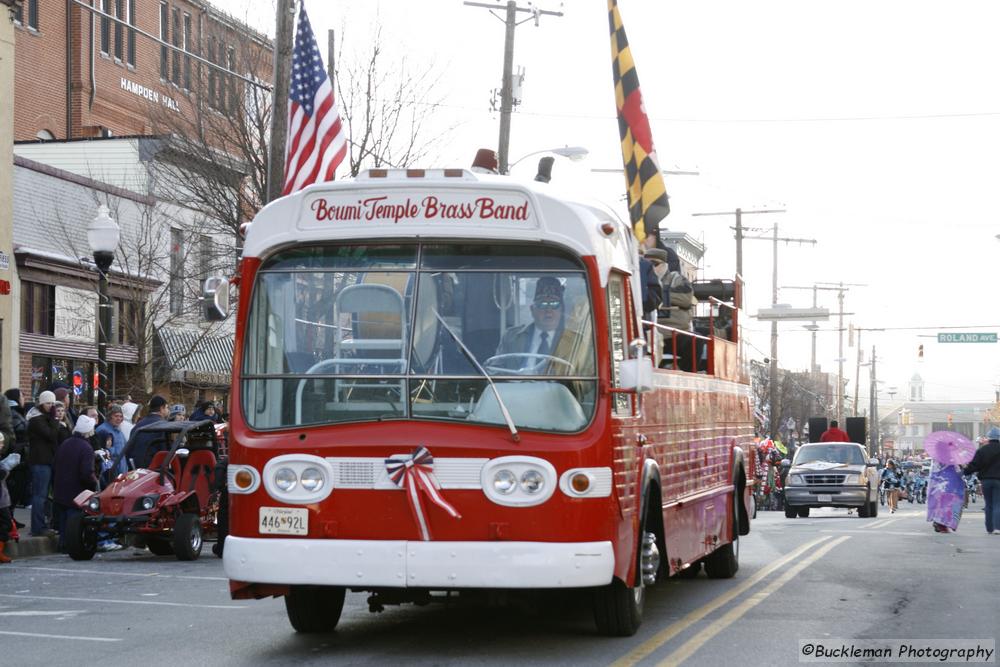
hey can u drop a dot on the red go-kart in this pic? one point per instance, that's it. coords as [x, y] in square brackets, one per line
[168, 507]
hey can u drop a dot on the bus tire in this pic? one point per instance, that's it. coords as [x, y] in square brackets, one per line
[618, 608]
[724, 562]
[314, 609]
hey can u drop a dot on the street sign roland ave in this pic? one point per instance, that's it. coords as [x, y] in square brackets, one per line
[970, 337]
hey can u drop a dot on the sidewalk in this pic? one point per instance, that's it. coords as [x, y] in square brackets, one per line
[28, 545]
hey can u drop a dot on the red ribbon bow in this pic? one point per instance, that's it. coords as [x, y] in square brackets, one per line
[416, 475]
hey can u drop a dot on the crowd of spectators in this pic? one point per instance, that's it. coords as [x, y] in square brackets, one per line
[52, 449]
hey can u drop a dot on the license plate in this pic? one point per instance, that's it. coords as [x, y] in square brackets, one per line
[283, 521]
[824, 499]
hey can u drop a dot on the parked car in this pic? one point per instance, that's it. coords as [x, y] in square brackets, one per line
[832, 474]
[168, 507]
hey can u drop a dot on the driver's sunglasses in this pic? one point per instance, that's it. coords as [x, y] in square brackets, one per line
[548, 305]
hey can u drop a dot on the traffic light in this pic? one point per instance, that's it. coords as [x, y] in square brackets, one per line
[920, 351]
[950, 420]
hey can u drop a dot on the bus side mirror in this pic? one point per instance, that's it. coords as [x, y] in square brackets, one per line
[215, 299]
[636, 374]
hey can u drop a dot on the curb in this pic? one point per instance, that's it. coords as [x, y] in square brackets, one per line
[32, 546]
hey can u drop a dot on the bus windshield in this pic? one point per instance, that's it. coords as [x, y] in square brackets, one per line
[355, 333]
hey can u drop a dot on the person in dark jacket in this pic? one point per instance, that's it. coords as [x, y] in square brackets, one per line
[73, 473]
[986, 463]
[146, 444]
[43, 439]
[207, 410]
[19, 479]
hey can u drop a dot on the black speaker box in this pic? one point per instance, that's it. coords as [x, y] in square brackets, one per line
[856, 430]
[817, 426]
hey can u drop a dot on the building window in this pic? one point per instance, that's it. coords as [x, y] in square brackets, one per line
[131, 33]
[178, 35]
[176, 271]
[38, 312]
[232, 81]
[119, 31]
[164, 37]
[129, 329]
[32, 6]
[213, 74]
[187, 49]
[106, 28]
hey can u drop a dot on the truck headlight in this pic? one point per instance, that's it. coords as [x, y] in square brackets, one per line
[94, 504]
[797, 480]
[852, 479]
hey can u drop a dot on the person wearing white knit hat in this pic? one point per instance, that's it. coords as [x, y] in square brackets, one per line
[73, 473]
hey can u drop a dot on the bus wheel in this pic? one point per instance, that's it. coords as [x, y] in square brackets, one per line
[313, 609]
[618, 608]
[725, 561]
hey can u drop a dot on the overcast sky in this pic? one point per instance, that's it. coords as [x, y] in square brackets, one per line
[876, 124]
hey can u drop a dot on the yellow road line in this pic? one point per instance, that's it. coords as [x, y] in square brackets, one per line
[688, 648]
[663, 636]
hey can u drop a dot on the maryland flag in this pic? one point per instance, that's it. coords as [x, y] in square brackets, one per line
[647, 194]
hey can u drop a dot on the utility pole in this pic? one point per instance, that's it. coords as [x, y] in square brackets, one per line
[284, 14]
[857, 374]
[873, 430]
[772, 383]
[507, 85]
[841, 287]
[739, 229]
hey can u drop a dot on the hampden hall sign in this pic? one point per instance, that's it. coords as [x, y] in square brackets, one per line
[150, 94]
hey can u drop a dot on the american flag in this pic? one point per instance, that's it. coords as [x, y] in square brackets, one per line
[317, 142]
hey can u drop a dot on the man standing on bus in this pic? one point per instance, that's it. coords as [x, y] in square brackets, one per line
[834, 434]
[546, 335]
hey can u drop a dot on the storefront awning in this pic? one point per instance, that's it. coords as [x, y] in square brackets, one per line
[196, 357]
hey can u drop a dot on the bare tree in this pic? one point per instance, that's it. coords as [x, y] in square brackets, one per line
[386, 106]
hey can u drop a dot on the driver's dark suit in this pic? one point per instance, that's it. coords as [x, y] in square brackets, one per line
[517, 340]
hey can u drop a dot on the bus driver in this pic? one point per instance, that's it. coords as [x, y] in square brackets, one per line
[546, 334]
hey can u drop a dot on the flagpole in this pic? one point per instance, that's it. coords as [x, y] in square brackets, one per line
[284, 16]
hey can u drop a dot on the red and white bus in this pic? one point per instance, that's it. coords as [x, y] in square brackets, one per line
[440, 384]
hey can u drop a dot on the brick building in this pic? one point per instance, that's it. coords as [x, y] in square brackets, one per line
[94, 96]
[86, 75]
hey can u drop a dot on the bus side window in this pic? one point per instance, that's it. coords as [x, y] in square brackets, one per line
[618, 316]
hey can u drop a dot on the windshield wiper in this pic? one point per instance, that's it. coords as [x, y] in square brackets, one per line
[496, 392]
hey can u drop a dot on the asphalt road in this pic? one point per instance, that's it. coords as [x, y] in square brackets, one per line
[828, 576]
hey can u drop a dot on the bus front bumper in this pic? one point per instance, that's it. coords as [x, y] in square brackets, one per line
[404, 564]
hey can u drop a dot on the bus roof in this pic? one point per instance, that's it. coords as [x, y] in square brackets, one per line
[443, 204]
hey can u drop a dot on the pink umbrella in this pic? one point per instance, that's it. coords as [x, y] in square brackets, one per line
[949, 447]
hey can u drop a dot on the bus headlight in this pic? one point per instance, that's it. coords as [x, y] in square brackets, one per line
[504, 481]
[518, 481]
[532, 481]
[297, 479]
[312, 479]
[285, 479]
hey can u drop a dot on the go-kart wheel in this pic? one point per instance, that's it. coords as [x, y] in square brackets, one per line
[80, 540]
[160, 546]
[187, 537]
[313, 609]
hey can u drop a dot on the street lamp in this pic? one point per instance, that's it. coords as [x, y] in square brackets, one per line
[574, 153]
[102, 235]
